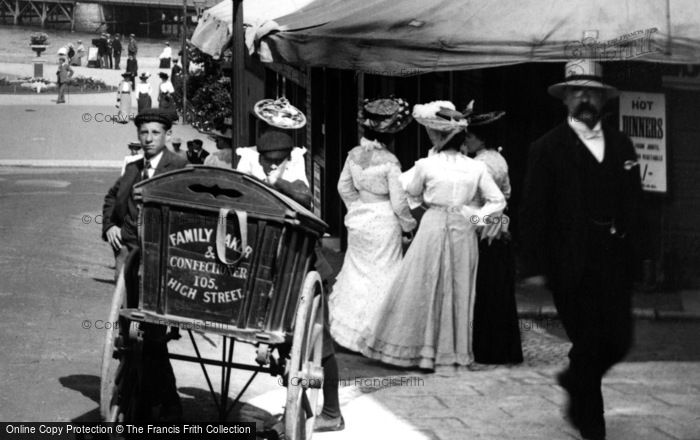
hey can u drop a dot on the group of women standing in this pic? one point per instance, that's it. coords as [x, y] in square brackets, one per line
[143, 91]
[439, 304]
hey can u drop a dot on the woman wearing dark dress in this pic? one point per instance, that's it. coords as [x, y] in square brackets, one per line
[496, 333]
[132, 66]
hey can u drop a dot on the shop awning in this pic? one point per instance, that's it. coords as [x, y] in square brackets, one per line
[404, 37]
[214, 29]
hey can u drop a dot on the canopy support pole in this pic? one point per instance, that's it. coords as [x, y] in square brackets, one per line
[238, 87]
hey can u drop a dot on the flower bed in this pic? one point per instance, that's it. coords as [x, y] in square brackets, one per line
[77, 84]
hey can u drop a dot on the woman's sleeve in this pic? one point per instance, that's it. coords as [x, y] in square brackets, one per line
[494, 201]
[296, 168]
[244, 164]
[399, 203]
[415, 179]
[346, 187]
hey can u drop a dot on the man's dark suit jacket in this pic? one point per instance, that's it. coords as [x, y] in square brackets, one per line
[553, 219]
[119, 205]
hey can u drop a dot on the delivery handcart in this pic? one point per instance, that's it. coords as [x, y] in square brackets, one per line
[223, 253]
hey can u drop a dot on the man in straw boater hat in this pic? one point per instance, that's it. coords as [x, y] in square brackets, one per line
[577, 214]
[119, 229]
[276, 161]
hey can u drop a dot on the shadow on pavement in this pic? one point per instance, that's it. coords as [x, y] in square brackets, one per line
[674, 341]
[89, 386]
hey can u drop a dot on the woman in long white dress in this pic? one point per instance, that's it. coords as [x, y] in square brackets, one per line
[424, 321]
[377, 214]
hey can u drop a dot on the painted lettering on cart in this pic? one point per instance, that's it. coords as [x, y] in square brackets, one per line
[182, 289]
[204, 235]
[207, 267]
[227, 296]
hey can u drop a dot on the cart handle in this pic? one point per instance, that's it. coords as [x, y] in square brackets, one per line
[242, 217]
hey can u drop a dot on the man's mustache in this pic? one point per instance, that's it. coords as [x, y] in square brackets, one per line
[585, 107]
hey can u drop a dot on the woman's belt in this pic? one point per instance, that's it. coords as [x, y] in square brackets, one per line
[367, 197]
[457, 209]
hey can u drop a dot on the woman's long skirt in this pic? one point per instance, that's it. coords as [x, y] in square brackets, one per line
[425, 318]
[496, 327]
[124, 107]
[372, 260]
[144, 101]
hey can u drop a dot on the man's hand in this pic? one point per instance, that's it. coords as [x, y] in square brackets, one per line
[535, 281]
[114, 237]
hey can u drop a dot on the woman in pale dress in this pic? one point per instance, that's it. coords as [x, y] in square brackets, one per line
[424, 321]
[124, 98]
[223, 157]
[143, 92]
[377, 215]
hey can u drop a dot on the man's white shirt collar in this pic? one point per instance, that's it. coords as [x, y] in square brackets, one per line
[155, 160]
[592, 138]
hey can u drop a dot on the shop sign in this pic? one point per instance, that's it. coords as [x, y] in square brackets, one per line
[643, 119]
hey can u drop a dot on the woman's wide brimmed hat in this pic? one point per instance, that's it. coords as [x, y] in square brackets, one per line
[482, 119]
[385, 115]
[226, 134]
[144, 75]
[440, 116]
[163, 75]
[441, 120]
[583, 73]
[279, 113]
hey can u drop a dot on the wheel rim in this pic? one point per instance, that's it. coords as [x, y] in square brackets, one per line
[307, 350]
[109, 364]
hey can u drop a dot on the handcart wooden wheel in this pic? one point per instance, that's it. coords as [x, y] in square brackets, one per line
[120, 396]
[305, 375]
[110, 364]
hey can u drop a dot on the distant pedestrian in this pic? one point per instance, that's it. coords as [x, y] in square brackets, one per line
[223, 157]
[135, 154]
[132, 48]
[165, 56]
[195, 153]
[132, 67]
[71, 51]
[124, 98]
[101, 45]
[177, 148]
[79, 54]
[176, 71]
[496, 337]
[106, 51]
[166, 100]
[143, 92]
[117, 50]
[577, 215]
[63, 75]
[110, 51]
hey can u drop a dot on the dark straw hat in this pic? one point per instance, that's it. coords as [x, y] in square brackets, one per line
[274, 140]
[386, 115]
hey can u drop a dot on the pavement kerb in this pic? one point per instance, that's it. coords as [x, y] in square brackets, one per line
[549, 312]
[45, 163]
